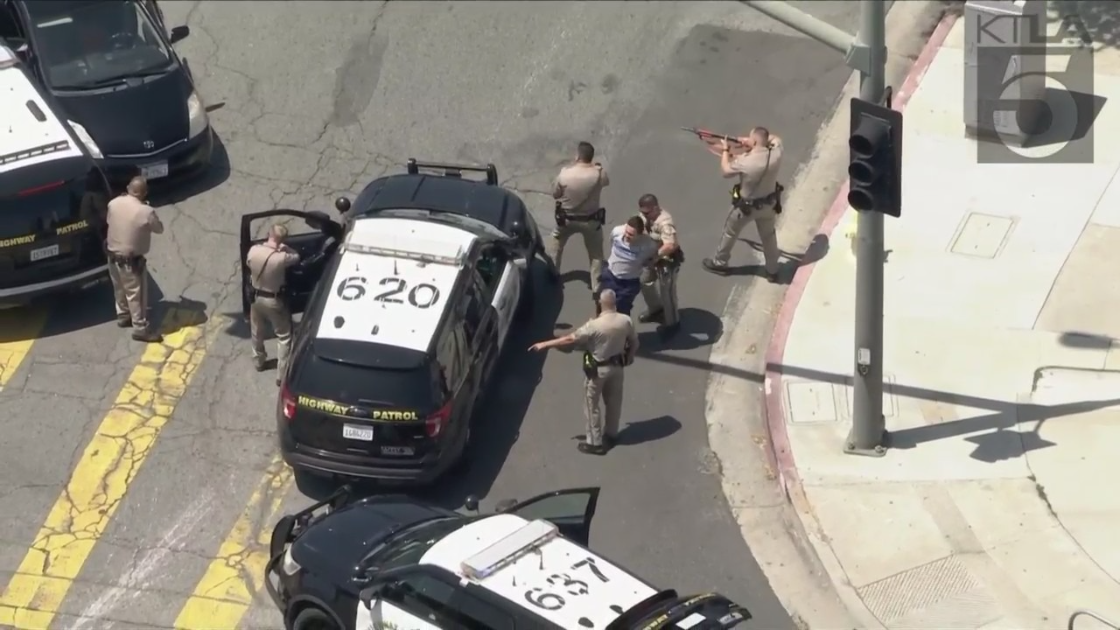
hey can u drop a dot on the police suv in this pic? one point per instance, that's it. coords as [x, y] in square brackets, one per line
[391, 562]
[407, 303]
[53, 197]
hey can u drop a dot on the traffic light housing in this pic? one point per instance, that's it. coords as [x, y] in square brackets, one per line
[875, 158]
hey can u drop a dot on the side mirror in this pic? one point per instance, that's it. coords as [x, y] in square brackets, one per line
[317, 220]
[505, 505]
[179, 33]
[471, 503]
[342, 204]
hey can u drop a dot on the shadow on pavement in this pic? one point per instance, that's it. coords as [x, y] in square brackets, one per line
[214, 176]
[651, 430]
[699, 328]
[1004, 416]
[790, 263]
[496, 426]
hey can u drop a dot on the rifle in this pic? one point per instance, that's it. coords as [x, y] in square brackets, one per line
[706, 135]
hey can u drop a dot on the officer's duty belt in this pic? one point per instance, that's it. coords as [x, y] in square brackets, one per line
[125, 261]
[746, 205]
[563, 216]
[266, 294]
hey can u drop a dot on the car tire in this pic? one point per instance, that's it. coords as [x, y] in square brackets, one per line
[314, 618]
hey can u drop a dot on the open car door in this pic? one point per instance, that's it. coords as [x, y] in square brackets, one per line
[570, 510]
[315, 250]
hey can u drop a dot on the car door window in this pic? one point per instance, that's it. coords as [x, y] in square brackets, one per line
[475, 309]
[9, 25]
[451, 355]
[447, 605]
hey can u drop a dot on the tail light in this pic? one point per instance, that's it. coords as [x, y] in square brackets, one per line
[435, 423]
[288, 401]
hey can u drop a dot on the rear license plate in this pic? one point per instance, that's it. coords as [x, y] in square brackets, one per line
[397, 450]
[357, 432]
[154, 171]
[44, 253]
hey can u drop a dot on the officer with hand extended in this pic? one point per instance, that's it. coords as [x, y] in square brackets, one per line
[268, 263]
[757, 197]
[609, 343]
[631, 252]
[131, 223]
[659, 280]
[577, 190]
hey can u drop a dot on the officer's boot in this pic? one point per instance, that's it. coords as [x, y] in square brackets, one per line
[651, 316]
[124, 321]
[147, 336]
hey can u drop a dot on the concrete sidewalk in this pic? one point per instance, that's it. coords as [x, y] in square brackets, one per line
[993, 507]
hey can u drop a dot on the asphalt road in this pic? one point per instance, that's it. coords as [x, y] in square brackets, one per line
[140, 481]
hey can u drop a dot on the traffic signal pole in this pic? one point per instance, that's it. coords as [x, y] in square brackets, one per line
[865, 53]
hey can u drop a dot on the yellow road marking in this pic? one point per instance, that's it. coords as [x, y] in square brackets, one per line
[225, 592]
[19, 327]
[109, 464]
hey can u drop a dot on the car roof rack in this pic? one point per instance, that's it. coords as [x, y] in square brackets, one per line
[454, 170]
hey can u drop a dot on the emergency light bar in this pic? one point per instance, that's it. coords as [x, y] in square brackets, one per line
[507, 550]
[389, 252]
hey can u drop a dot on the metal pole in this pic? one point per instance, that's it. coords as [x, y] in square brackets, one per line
[868, 434]
[802, 22]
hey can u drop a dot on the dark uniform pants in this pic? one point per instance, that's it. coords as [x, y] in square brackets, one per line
[766, 220]
[625, 289]
[274, 312]
[608, 387]
[130, 289]
[659, 290]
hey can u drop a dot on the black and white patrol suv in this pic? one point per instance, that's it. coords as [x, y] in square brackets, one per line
[407, 302]
[392, 562]
[53, 196]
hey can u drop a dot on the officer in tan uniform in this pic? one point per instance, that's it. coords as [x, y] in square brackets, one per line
[131, 223]
[609, 344]
[757, 197]
[659, 280]
[268, 263]
[579, 211]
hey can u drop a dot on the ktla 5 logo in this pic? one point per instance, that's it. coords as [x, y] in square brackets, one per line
[1029, 82]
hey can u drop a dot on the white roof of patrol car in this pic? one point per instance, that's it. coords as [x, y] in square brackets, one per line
[515, 559]
[407, 268]
[30, 132]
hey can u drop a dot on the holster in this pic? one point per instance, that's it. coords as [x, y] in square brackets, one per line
[591, 365]
[562, 217]
[748, 205]
[131, 263]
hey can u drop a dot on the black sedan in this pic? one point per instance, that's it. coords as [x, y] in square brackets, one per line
[111, 67]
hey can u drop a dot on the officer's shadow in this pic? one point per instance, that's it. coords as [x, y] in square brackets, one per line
[699, 328]
[790, 261]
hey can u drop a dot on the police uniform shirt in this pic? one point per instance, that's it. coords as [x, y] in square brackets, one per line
[662, 229]
[627, 260]
[758, 170]
[131, 225]
[579, 187]
[267, 266]
[606, 335]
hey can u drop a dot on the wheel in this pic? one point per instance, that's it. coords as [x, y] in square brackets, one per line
[313, 618]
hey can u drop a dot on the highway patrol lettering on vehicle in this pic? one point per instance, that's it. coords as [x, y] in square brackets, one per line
[393, 282]
[556, 579]
[31, 238]
[348, 411]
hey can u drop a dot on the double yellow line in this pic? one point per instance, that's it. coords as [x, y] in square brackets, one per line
[109, 464]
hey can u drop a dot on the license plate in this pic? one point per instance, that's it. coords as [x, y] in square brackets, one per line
[397, 450]
[357, 432]
[154, 171]
[44, 253]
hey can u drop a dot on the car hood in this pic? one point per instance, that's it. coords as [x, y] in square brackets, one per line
[122, 119]
[332, 546]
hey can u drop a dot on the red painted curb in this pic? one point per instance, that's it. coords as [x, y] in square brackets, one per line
[781, 455]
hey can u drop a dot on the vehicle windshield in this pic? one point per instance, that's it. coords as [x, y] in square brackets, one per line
[408, 546]
[81, 46]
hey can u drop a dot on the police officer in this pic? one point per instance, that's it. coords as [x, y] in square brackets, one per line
[131, 223]
[579, 211]
[267, 264]
[609, 344]
[631, 251]
[659, 280]
[757, 197]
